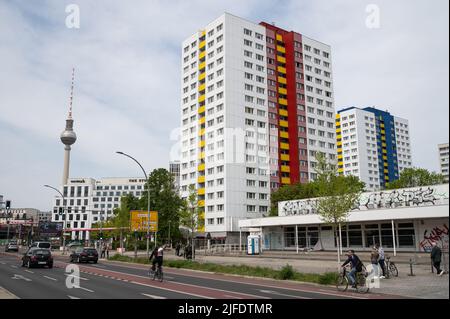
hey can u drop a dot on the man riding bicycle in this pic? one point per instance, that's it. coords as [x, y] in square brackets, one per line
[157, 253]
[356, 264]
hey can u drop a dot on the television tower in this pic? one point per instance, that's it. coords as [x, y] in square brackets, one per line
[68, 137]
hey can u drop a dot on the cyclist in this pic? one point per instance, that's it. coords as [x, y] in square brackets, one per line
[157, 253]
[356, 266]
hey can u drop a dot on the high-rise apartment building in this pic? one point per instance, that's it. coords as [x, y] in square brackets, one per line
[443, 160]
[373, 145]
[257, 105]
[174, 169]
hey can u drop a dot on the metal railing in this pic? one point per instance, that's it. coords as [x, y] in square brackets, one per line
[222, 249]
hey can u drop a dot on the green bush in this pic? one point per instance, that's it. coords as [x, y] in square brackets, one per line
[287, 272]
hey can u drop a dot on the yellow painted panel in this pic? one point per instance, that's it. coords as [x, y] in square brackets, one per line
[202, 65]
[384, 157]
[202, 45]
[339, 156]
[201, 191]
[339, 136]
[202, 143]
[285, 157]
[384, 152]
[339, 143]
[202, 155]
[284, 123]
[202, 55]
[381, 124]
[202, 87]
[202, 120]
[279, 37]
[201, 167]
[281, 59]
[201, 98]
[281, 49]
[201, 132]
[283, 112]
[201, 179]
[201, 203]
[281, 70]
[285, 180]
[338, 130]
[284, 134]
[201, 76]
[338, 116]
[282, 91]
[282, 80]
[201, 109]
[282, 101]
[285, 169]
[284, 146]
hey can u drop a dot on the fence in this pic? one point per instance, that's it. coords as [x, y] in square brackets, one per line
[222, 249]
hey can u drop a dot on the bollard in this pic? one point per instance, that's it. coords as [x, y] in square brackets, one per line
[411, 267]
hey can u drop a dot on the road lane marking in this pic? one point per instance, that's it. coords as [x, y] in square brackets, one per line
[20, 277]
[271, 292]
[82, 278]
[2, 263]
[54, 279]
[153, 296]
[72, 297]
[85, 289]
[29, 271]
[173, 290]
[14, 266]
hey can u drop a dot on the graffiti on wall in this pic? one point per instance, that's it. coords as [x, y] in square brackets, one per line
[407, 197]
[437, 234]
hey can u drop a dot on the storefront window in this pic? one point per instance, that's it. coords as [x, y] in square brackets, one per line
[355, 236]
[372, 234]
[289, 237]
[405, 235]
[386, 236]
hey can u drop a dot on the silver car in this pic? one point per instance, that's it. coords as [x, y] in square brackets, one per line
[12, 246]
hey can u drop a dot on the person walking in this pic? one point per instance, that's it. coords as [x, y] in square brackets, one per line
[103, 251]
[107, 251]
[374, 256]
[436, 254]
[177, 249]
[381, 260]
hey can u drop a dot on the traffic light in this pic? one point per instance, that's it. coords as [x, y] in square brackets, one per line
[8, 204]
[100, 235]
[60, 210]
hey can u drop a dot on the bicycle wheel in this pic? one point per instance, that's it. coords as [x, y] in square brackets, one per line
[362, 285]
[342, 283]
[393, 269]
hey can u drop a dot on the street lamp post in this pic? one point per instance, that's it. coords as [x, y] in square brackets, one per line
[148, 200]
[64, 214]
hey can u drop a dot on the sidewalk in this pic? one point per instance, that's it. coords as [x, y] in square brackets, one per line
[5, 294]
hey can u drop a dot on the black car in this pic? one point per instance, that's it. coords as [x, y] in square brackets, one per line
[37, 257]
[83, 254]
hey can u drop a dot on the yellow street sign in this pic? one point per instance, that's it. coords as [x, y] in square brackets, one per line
[139, 220]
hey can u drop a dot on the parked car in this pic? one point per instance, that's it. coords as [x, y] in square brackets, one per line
[84, 254]
[41, 244]
[12, 245]
[37, 257]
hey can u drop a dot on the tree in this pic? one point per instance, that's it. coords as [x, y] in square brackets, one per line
[165, 200]
[338, 194]
[414, 177]
[291, 192]
[190, 213]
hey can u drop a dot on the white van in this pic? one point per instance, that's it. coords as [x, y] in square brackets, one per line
[42, 244]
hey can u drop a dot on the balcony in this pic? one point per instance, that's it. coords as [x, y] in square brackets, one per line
[201, 155]
[202, 66]
[201, 98]
[282, 80]
[201, 191]
[201, 179]
[281, 70]
[201, 203]
[285, 169]
[283, 112]
[282, 91]
[201, 167]
[285, 157]
[284, 146]
[201, 87]
[281, 59]
[279, 37]
[284, 134]
[285, 180]
[202, 143]
[282, 101]
[201, 76]
[201, 109]
[202, 55]
[202, 45]
[202, 120]
[284, 123]
[201, 132]
[281, 49]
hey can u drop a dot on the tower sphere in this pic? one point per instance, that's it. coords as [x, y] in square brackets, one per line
[68, 137]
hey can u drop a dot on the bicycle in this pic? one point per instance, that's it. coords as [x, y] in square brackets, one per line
[360, 283]
[156, 274]
[390, 268]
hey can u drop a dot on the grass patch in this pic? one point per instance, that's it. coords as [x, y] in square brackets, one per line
[285, 273]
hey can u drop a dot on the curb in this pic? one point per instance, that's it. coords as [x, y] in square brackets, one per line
[5, 294]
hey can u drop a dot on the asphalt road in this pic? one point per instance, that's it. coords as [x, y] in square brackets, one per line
[114, 280]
